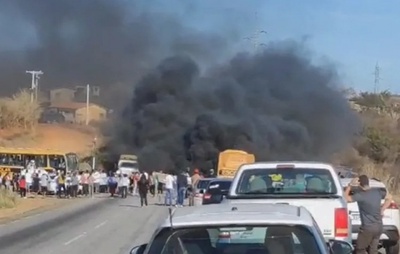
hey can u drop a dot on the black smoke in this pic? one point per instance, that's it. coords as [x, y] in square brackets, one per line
[276, 104]
[101, 42]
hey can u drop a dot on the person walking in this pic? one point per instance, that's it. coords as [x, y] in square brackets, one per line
[371, 212]
[143, 186]
[125, 185]
[182, 184]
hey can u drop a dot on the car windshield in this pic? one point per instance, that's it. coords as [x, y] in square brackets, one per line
[203, 184]
[239, 239]
[222, 185]
[128, 165]
[286, 181]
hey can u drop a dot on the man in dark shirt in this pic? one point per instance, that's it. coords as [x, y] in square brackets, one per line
[371, 212]
[182, 184]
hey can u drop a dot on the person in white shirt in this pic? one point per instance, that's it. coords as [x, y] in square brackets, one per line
[125, 185]
[96, 181]
[169, 189]
[103, 182]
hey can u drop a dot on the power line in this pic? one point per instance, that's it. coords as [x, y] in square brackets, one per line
[255, 38]
[377, 78]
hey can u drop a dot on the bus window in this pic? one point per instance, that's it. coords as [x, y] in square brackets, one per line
[57, 162]
[40, 160]
[12, 160]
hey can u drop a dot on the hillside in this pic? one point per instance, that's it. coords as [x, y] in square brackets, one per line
[68, 138]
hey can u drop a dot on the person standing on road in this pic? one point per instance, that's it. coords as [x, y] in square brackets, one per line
[22, 187]
[143, 186]
[371, 213]
[169, 189]
[74, 185]
[112, 184]
[195, 180]
[182, 184]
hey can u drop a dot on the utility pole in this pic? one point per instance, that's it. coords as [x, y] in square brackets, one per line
[255, 38]
[34, 84]
[377, 78]
[87, 103]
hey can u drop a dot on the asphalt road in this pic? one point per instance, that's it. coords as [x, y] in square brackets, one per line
[101, 225]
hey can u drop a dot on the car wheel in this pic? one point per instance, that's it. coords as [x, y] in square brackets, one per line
[392, 248]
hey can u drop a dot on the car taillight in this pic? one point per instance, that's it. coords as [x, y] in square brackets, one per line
[224, 235]
[207, 196]
[393, 205]
[341, 222]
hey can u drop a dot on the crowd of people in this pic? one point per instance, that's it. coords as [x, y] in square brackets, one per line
[174, 188]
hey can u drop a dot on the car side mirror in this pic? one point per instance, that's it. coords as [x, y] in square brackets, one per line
[201, 191]
[138, 249]
[340, 247]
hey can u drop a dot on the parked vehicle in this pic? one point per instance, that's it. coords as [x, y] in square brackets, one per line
[201, 188]
[389, 239]
[241, 228]
[314, 185]
[217, 189]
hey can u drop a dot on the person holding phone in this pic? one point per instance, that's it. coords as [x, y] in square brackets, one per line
[371, 211]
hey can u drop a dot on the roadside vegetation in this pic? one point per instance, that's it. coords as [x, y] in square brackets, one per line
[376, 150]
[8, 199]
[19, 112]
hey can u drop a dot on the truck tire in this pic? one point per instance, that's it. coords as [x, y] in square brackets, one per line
[392, 248]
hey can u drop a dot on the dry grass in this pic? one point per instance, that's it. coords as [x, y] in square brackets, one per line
[8, 199]
[376, 152]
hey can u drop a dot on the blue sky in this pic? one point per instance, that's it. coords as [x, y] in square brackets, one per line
[354, 35]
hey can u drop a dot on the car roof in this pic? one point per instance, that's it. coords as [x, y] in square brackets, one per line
[372, 182]
[239, 214]
[297, 164]
[221, 180]
[207, 179]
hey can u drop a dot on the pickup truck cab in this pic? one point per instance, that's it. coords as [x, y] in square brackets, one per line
[313, 185]
[242, 228]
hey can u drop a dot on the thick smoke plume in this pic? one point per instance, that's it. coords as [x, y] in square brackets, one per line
[275, 104]
[101, 42]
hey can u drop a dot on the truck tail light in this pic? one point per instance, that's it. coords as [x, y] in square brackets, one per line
[207, 196]
[341, 222]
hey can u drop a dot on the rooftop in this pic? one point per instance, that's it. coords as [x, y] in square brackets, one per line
[239, 214]
[70, 105]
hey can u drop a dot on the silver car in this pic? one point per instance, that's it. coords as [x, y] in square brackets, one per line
[241, 229]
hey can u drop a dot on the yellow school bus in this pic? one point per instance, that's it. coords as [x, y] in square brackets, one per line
[229, 162]
[13, 160]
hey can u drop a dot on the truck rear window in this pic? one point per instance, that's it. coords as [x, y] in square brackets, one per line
[239, 239]
[286, 181]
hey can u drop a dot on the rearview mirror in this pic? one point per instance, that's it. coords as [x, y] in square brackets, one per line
[201, 191]
[340, 247]
[138, 249]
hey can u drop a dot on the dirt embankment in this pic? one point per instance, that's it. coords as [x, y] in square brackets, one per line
[66, 138]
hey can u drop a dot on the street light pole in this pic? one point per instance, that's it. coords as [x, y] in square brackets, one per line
[34, 84]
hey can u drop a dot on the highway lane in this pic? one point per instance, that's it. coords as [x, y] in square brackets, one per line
[113, 226]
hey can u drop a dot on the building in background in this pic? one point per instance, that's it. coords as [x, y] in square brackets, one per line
[62, 95]
[75, 112]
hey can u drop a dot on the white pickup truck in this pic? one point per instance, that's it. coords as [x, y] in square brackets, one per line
[313, 185]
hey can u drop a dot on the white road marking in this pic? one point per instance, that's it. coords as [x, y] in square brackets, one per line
[75, 238]
[101, 224]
